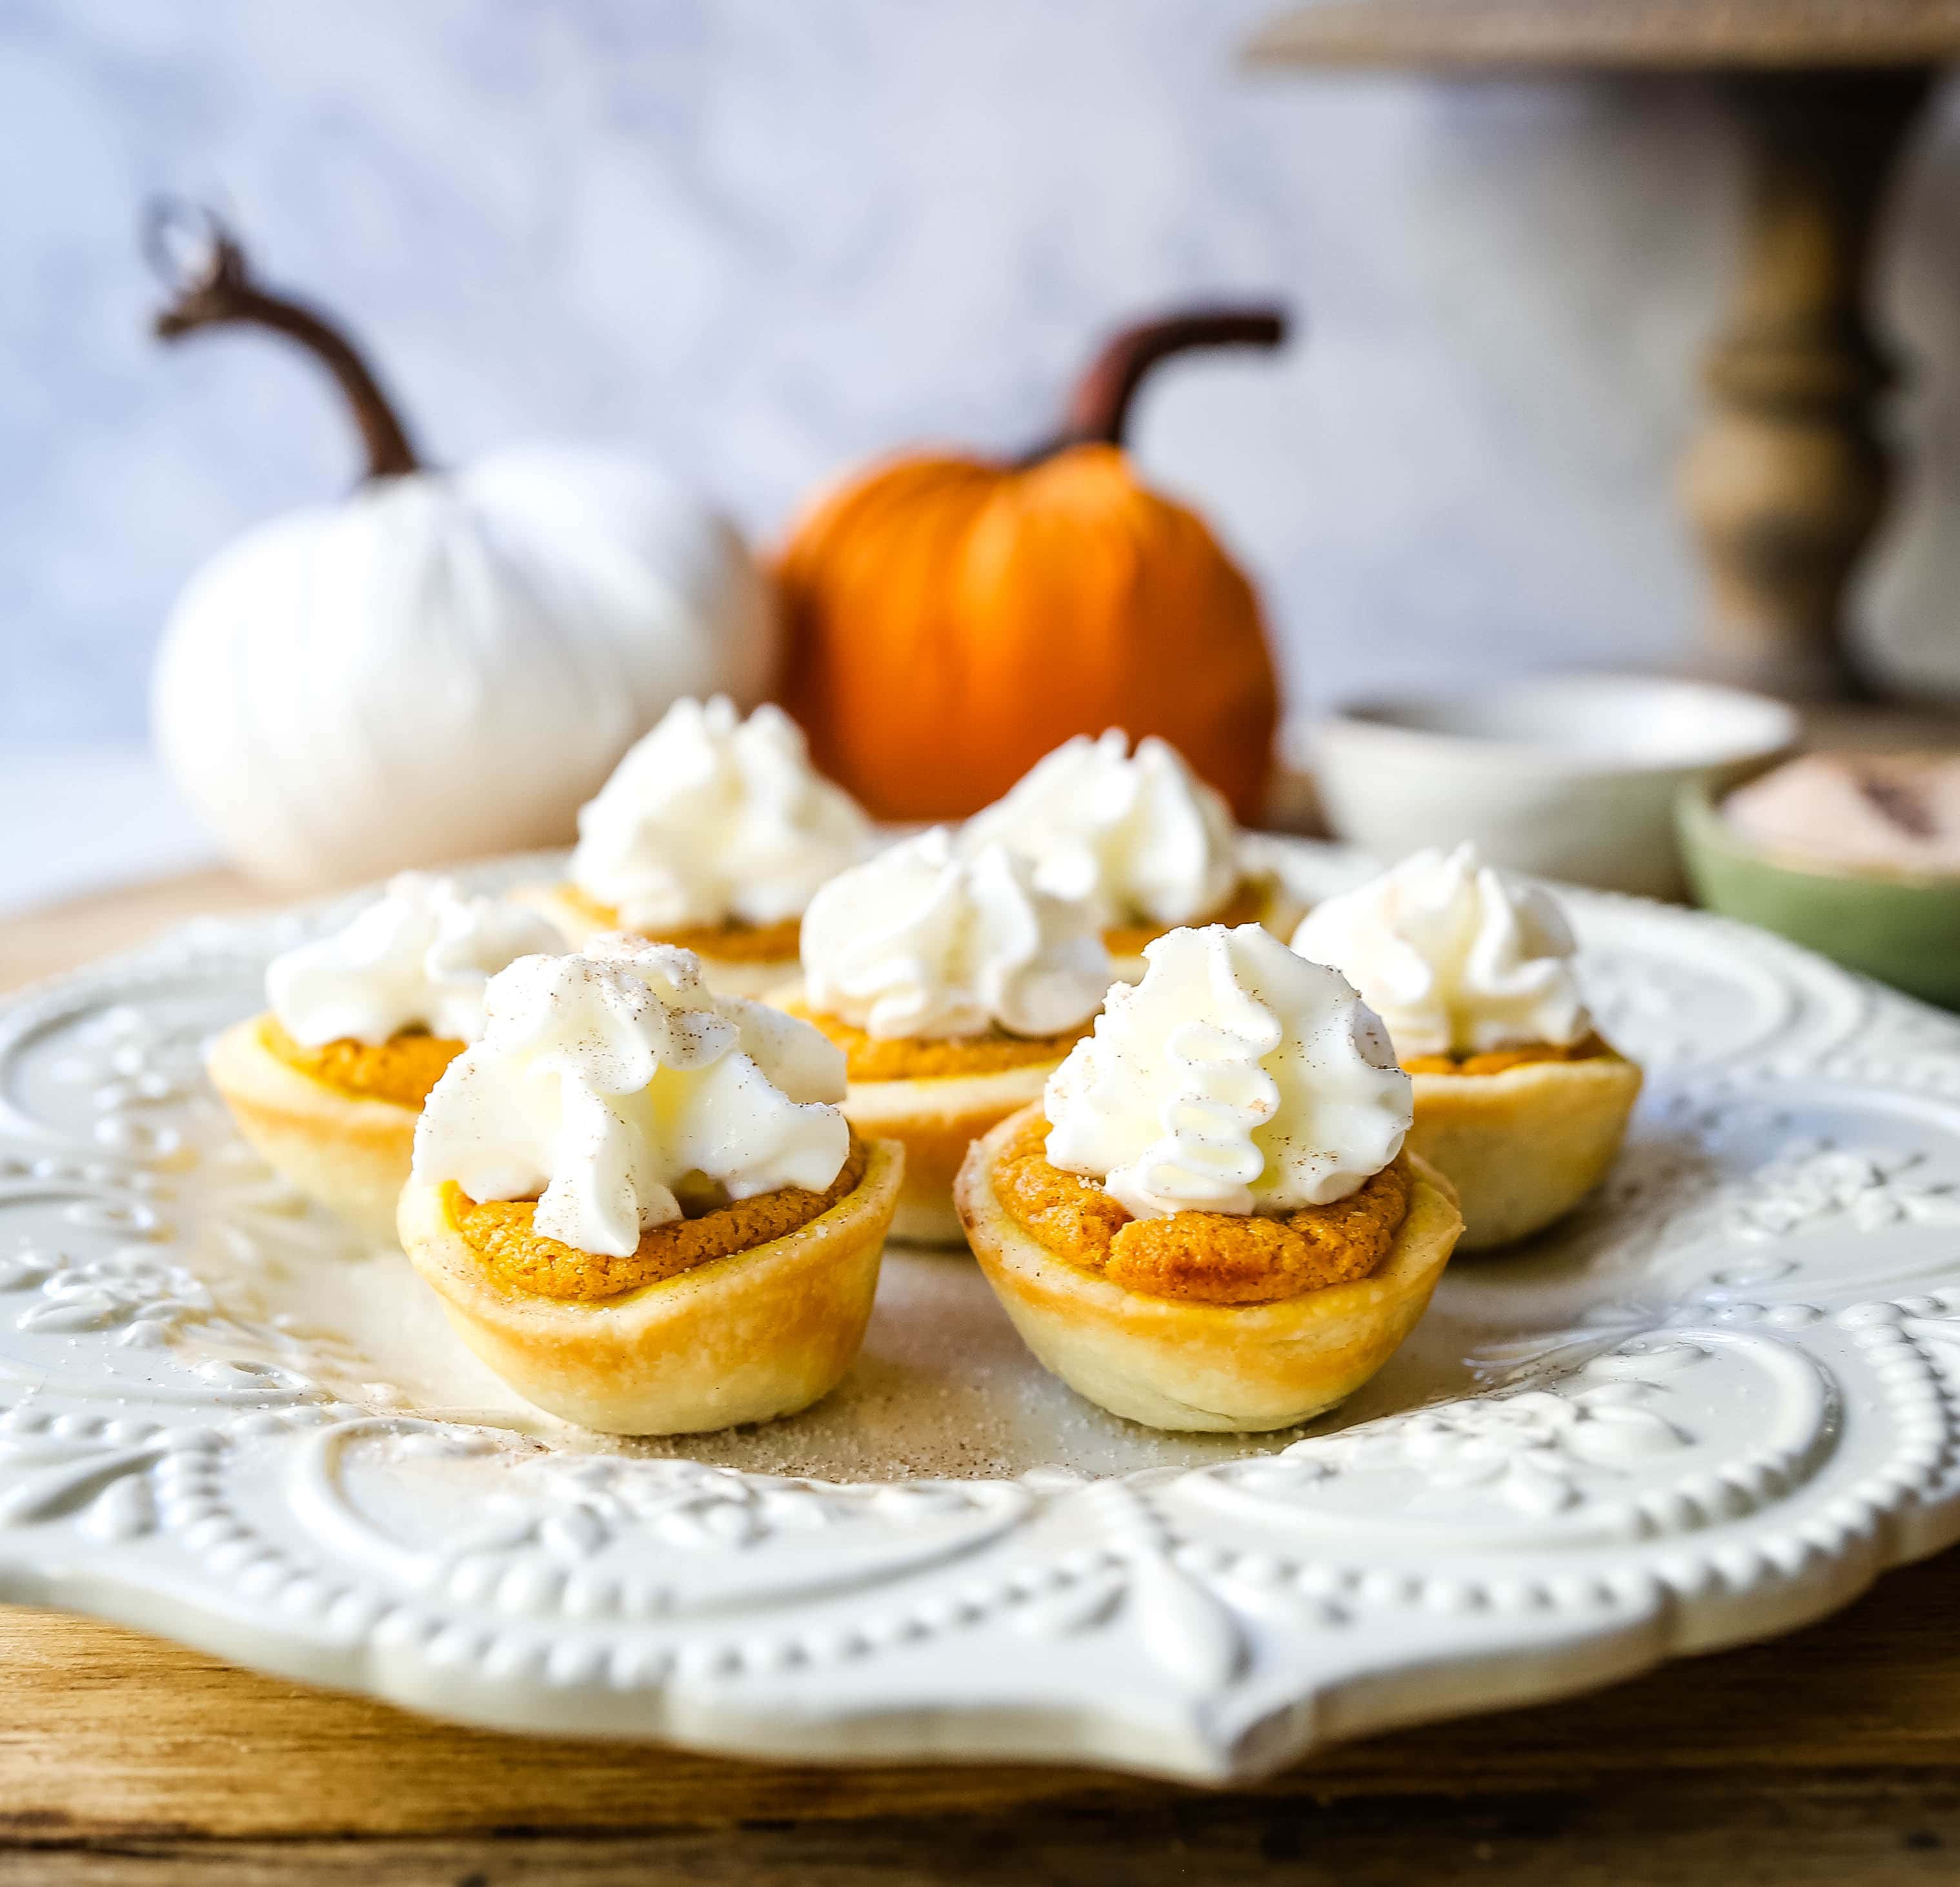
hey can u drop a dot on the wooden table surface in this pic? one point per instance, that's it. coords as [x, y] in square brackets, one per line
[1831, 1755]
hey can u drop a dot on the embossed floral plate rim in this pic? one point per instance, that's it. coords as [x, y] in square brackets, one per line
[1760, 1423]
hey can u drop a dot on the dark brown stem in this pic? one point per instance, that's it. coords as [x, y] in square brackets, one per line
[1099, 410]
[212, 287]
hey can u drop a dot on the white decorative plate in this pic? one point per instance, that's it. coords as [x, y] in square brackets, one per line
[1712, 1407]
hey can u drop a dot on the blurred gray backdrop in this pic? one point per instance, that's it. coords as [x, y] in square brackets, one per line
[759, 239]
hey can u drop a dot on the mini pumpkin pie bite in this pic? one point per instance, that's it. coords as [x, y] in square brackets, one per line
[639, 1202]
[1138, 836]
[1211, 1220]
[711, 835]
[954, 988]
[1518, 1098]
[327, 1084]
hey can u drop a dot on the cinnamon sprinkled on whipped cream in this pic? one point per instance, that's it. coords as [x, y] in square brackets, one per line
[1236, 1077]
[1877, 812]
[605, 1081]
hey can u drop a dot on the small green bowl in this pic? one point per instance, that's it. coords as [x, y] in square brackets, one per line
[1902, 928]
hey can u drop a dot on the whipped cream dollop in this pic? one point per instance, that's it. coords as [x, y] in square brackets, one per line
[419, 957]
[605, 1080]
[1455, 956]
[1236, 1077]
[921, 942]
[710, 819]
[1138, 835]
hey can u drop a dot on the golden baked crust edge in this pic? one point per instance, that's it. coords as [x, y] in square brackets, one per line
[936, 1118]
[760, 1333]
[726, 976]
[1172, 1363]
[348, 1153]
[1523, 1147]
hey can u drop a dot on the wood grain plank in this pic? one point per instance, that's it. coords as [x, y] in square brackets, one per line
[1882, 1832]
[63, 936]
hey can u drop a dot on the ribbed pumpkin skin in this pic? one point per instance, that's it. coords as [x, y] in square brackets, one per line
[950, 621]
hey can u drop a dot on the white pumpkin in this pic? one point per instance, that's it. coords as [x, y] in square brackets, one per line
[447, 664]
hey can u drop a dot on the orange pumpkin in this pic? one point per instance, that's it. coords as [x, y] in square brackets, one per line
[952, 620]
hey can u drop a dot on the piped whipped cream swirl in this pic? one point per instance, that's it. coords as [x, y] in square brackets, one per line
[419, 957]
[919, 942]
[710, 818]
[1138, 835]
[1236, 1077]
[1456, 957]
[605, 1081]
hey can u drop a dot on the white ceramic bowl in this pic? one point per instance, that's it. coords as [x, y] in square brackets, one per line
[1572, 777]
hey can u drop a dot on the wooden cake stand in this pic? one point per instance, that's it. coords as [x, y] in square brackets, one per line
[1786, 482]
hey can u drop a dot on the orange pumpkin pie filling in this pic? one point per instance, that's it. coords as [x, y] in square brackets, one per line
[1246, 905]
[731, 943]
[403, 1069]
[1497, 1061]
[523, 1261]
[1216, 1257]
[868, 1058]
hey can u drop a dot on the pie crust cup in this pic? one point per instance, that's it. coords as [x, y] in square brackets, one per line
[935, 1118]
[350, 1153]
[1172, 1363]
[1524, 1146]
[1279, 912]
[758, 1334]
[727, 975]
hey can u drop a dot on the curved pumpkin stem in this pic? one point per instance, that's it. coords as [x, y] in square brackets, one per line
[1098, 409]
[199, 259]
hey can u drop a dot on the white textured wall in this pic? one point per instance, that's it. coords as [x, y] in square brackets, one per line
[762, 237]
